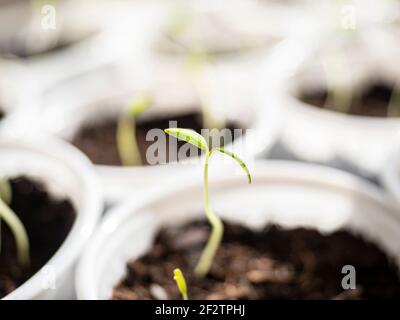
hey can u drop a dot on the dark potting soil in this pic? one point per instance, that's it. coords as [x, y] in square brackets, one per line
[98, 141]
[47, 221]
[270, 264]
[373, 101]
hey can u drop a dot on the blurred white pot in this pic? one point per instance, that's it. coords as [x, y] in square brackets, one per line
[67, 173]
[13, 86]
[390, 176]
[317, 134]
[289, 194]
[238, 33]
[29, 28]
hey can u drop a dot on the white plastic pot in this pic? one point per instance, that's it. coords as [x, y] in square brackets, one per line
[13, 85]
[29, 29]
[390, 176]
[289, 194]
[66, 173]
[321, 135]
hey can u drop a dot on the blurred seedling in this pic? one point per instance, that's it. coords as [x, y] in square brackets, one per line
[11, 219]
[197, 64]
[181, 283]
[341, 94]
[217, 228]
[126, 132]
[393, 109]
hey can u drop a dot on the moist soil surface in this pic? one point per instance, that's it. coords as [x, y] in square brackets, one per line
[268, 264]
[48, 222]
[373, 102]
[98, 141]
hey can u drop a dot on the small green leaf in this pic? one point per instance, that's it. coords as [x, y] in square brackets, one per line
[139, 105]
[189, 136]
[181, 283]
[238, 160]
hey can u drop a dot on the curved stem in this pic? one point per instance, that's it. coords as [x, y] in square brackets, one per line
[17, 228]
[207, 256]
[126, 141]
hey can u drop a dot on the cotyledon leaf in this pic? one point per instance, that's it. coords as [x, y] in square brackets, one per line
[238, 160]
[189, 136]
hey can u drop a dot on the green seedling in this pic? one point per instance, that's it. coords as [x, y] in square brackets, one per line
[126, 132]
[340, 94]
[197, 62]
[12, 220]
[179, 20]
[181, 283]
[393, 109]
[217, 230]
[5, 191]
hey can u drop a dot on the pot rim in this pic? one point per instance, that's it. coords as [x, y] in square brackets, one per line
[390, 175]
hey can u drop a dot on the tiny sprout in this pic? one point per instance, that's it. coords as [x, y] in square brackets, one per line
[196, 63]
[340, 94]
[393, 108]
[181, 283]
[126, 132]
[217, 230]
[12, 220]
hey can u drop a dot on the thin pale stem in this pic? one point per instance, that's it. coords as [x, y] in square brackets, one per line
[127, 142]
[340, 93]
[217, 231]
[202, 84]
[393, 109]
[5, 191]
[6, 195]
[17, 228]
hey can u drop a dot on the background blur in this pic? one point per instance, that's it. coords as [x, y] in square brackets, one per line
[58, 57]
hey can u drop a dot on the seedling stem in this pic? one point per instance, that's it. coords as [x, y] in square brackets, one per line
[217, 228]
[126, 133]
[18, 230]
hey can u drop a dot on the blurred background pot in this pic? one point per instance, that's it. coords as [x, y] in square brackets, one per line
[32, 28]
[390, 176]
[288, 194]
[314, 133]
[65, 172]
